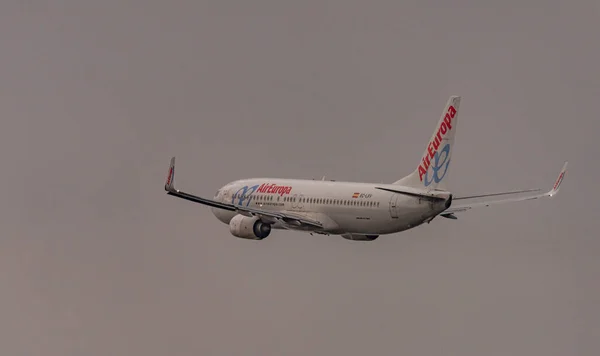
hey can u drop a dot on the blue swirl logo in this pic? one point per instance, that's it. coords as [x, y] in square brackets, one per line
[244, 193]
[437, 165]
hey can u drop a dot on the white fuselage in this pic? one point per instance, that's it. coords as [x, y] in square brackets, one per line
[357, 211]
[343, 207]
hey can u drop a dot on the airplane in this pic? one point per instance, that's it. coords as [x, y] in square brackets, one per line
[357, 211]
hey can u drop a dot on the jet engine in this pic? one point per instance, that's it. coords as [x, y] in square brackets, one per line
[358, 237]
[249, 227]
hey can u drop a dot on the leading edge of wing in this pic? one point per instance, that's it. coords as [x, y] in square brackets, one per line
[552, 192]
[496, 194]
[243, 210]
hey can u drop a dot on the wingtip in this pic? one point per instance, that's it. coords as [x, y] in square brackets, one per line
[170, 182]
[559, 180]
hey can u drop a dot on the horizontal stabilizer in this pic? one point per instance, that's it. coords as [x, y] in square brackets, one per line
[415, 193]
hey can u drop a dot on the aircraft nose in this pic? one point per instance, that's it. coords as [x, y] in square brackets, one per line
[222, 196]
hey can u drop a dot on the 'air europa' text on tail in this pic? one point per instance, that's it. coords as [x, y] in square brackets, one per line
[434, 145]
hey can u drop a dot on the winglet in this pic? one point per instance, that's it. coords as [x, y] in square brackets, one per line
[559, 180]
[170, 183]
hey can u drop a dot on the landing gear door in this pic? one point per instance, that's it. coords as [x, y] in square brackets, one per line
[394, 206]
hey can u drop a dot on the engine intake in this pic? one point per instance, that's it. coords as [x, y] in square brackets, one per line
[251, 228]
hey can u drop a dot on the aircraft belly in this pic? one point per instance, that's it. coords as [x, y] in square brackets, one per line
[353, 222]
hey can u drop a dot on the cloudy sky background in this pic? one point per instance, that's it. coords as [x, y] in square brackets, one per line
[96, 96]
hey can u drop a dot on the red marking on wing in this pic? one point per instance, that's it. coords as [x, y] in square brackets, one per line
[560, 177]
[170, 176]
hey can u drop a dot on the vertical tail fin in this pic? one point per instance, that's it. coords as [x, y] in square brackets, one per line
[434, 165]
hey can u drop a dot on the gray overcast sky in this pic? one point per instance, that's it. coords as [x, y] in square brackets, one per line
[96, 96]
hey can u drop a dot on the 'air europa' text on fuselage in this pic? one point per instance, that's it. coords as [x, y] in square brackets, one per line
[274, 189]
[433, 146]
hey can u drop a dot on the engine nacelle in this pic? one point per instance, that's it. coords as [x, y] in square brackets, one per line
[358, 237]
[249, 227]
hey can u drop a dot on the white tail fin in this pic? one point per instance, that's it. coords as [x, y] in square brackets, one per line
[433, 167]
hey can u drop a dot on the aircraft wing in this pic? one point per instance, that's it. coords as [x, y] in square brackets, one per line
[464, 206]
[272, 216]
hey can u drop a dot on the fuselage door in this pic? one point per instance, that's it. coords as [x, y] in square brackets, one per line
[394, 206]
